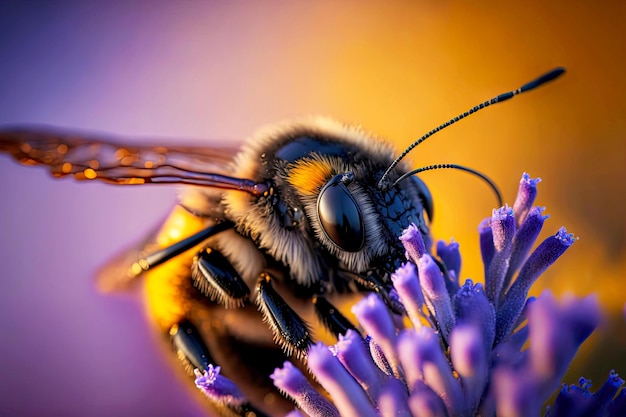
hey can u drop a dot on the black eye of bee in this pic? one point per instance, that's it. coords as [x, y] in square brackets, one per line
[425, 197]
[340, 215]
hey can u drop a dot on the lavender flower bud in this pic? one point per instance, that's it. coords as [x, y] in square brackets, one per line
[413, 243]
[450, 255]
[544, 256]
[406, 283]
[349, 398]
[218, 388]
[470, 360]
[436, 294]
[578, 401]
[602, 398]
[374, 316]
[556, 332]
[423, 360]
[525, 197]
[424, 402]
[393, 401]
[523, 241]
[471, 306]
[487, 250]
[515, 393]
[503, 229]
[291, 382]
[353, 353]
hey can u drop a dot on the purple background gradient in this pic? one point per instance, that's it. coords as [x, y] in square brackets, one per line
[218, 71]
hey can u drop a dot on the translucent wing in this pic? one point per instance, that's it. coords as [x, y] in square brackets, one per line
[88, 157]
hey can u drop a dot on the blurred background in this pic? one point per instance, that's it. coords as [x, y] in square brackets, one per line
[215, 71]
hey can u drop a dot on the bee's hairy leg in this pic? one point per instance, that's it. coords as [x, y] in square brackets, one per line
[216, 278]
[194, 354]
[331, 317]
[189, 347]
[289, 329]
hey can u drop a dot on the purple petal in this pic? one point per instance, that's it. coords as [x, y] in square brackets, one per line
[436, 294]
[218, 388]
[413, 243]
[601, 399]
[525, 197]
[503, 229]
[515, 393]
[406, 283]
[353, 353]
[294, 384]
[451, 259]
[393, 401]
[424, 402]
[572, 400]
[556, 332]
[349, 398]
[523, 241]
[544, 256]
[423, 360]
[450, 255]
[470, 360]
[374, 317]
[471, 306]
[487, 250]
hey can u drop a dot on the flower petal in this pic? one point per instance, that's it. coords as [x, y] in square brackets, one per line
[349, 398]
[436, 294]
[503, 229]
[423, 360]
[217, 387]
[406, 283]
[544, 256]
[294, 384]
[353, 352]
[526, 194]
[413, 243]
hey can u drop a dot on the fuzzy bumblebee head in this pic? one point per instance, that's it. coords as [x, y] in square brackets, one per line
[324, 211]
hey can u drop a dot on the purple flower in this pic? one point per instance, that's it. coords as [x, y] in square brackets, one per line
[465, 353]
[217, 388]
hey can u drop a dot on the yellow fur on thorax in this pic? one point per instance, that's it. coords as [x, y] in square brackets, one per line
[166, 285]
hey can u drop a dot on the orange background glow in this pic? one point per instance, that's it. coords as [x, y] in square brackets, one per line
[219, 71]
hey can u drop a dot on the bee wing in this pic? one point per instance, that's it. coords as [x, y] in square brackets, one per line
[91, 157]
[87, 157]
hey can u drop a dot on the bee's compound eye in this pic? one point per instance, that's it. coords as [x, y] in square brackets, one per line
[425, 197]
[340, 216]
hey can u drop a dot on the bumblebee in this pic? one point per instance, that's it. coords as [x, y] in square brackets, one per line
[280, 232]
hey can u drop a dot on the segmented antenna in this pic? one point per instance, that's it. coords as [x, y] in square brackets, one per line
[383, 183]
[479, 174]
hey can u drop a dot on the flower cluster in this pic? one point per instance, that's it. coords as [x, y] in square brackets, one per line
[460, 350]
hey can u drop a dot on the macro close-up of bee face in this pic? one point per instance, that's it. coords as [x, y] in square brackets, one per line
[244, 246]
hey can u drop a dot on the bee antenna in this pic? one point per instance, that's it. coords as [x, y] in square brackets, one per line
[472, 171]
[383, 183]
